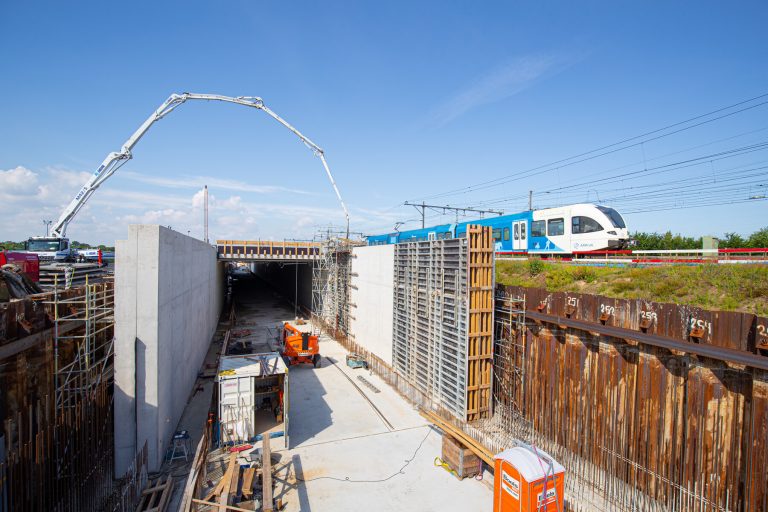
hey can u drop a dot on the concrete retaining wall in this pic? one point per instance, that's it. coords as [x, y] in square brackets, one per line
[168, 297]
[372, 296]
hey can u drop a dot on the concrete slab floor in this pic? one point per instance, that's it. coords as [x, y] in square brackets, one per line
[346, 452]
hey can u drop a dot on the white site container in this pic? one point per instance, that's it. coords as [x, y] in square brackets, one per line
[253, 398]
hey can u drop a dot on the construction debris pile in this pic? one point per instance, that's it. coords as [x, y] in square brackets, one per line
[15, 284]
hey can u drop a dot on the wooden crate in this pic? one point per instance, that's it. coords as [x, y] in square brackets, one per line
[460, 458]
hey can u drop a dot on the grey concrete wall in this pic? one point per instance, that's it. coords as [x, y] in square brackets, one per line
[372, 295]
[169, 290]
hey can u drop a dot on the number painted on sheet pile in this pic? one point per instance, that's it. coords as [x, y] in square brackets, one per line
[605, 308]
[762, 335]
[697, 323]
[649, 315]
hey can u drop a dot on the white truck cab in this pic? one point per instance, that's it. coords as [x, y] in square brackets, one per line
[50, 249]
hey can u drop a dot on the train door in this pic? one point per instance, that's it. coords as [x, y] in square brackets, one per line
[519, 236]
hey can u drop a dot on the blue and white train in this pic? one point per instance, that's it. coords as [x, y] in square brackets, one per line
[565, 230]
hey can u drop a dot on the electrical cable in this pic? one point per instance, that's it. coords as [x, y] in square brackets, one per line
[401, 471]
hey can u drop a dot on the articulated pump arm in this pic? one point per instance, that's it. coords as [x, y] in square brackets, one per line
[115, 160]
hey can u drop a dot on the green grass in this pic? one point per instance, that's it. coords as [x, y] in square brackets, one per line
[719, 287]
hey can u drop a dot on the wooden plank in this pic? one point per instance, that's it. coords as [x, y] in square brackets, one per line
[248, 476]
[20, 345]
[234, 482]
[226, 507]
[267, 502]
[156, 497]
[166, 495]
[477, 448]
[224, 496]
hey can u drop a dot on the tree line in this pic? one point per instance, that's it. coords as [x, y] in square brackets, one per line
[660, 241]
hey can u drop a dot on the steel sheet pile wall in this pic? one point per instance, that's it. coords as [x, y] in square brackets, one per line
[689, 431]
[443, 318]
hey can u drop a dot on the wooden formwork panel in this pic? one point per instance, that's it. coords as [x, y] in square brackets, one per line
[480, 335]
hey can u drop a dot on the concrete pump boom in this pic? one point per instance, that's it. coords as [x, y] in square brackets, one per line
[115, 160]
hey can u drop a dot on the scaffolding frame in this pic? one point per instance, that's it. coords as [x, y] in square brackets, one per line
[331, 284]
[81, 325]
[509, 358]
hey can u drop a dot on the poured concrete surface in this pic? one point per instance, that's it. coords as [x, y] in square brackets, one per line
[168, 296]
[344, 454]
[373, 279]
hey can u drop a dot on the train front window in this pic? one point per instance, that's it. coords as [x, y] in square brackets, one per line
[614, 217]
[555, 227]
[497, 234]
[538, 228]
[580, 225]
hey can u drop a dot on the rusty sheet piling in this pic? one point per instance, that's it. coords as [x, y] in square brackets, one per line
[680, 428]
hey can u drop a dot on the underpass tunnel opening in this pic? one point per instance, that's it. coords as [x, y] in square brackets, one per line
[290, 281]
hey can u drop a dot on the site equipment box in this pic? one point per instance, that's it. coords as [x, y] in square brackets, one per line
[460, 458]
[527, 479]
[253, 398]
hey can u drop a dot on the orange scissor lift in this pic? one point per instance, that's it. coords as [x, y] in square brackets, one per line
[299, 345]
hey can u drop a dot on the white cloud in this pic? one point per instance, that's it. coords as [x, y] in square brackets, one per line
[18, 182]
[500, 83]
[165, 217]
[106, 216]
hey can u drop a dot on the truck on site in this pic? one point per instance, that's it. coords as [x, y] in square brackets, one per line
[57, 246]
[50, 249]
[298, 345]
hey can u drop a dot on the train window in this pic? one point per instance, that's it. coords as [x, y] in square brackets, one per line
[581, 225]
[522, 231]
[556, 227]
[613, 216]
[497, 234]
[506, 234]
[517, 232]
[538, 228]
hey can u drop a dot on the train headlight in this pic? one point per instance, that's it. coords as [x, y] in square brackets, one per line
[612, 233]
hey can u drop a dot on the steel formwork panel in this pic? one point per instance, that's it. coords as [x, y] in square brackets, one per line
[430, 320]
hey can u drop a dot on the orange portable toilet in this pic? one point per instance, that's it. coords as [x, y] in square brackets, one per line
[521, 474]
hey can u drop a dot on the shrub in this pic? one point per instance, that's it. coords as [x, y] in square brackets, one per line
[535, 266]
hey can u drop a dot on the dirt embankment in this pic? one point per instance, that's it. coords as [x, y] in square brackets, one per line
[719, 287]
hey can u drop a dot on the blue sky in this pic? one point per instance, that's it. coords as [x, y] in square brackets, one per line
[409, 100]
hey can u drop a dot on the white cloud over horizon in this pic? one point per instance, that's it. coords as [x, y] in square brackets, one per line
[34, 195]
